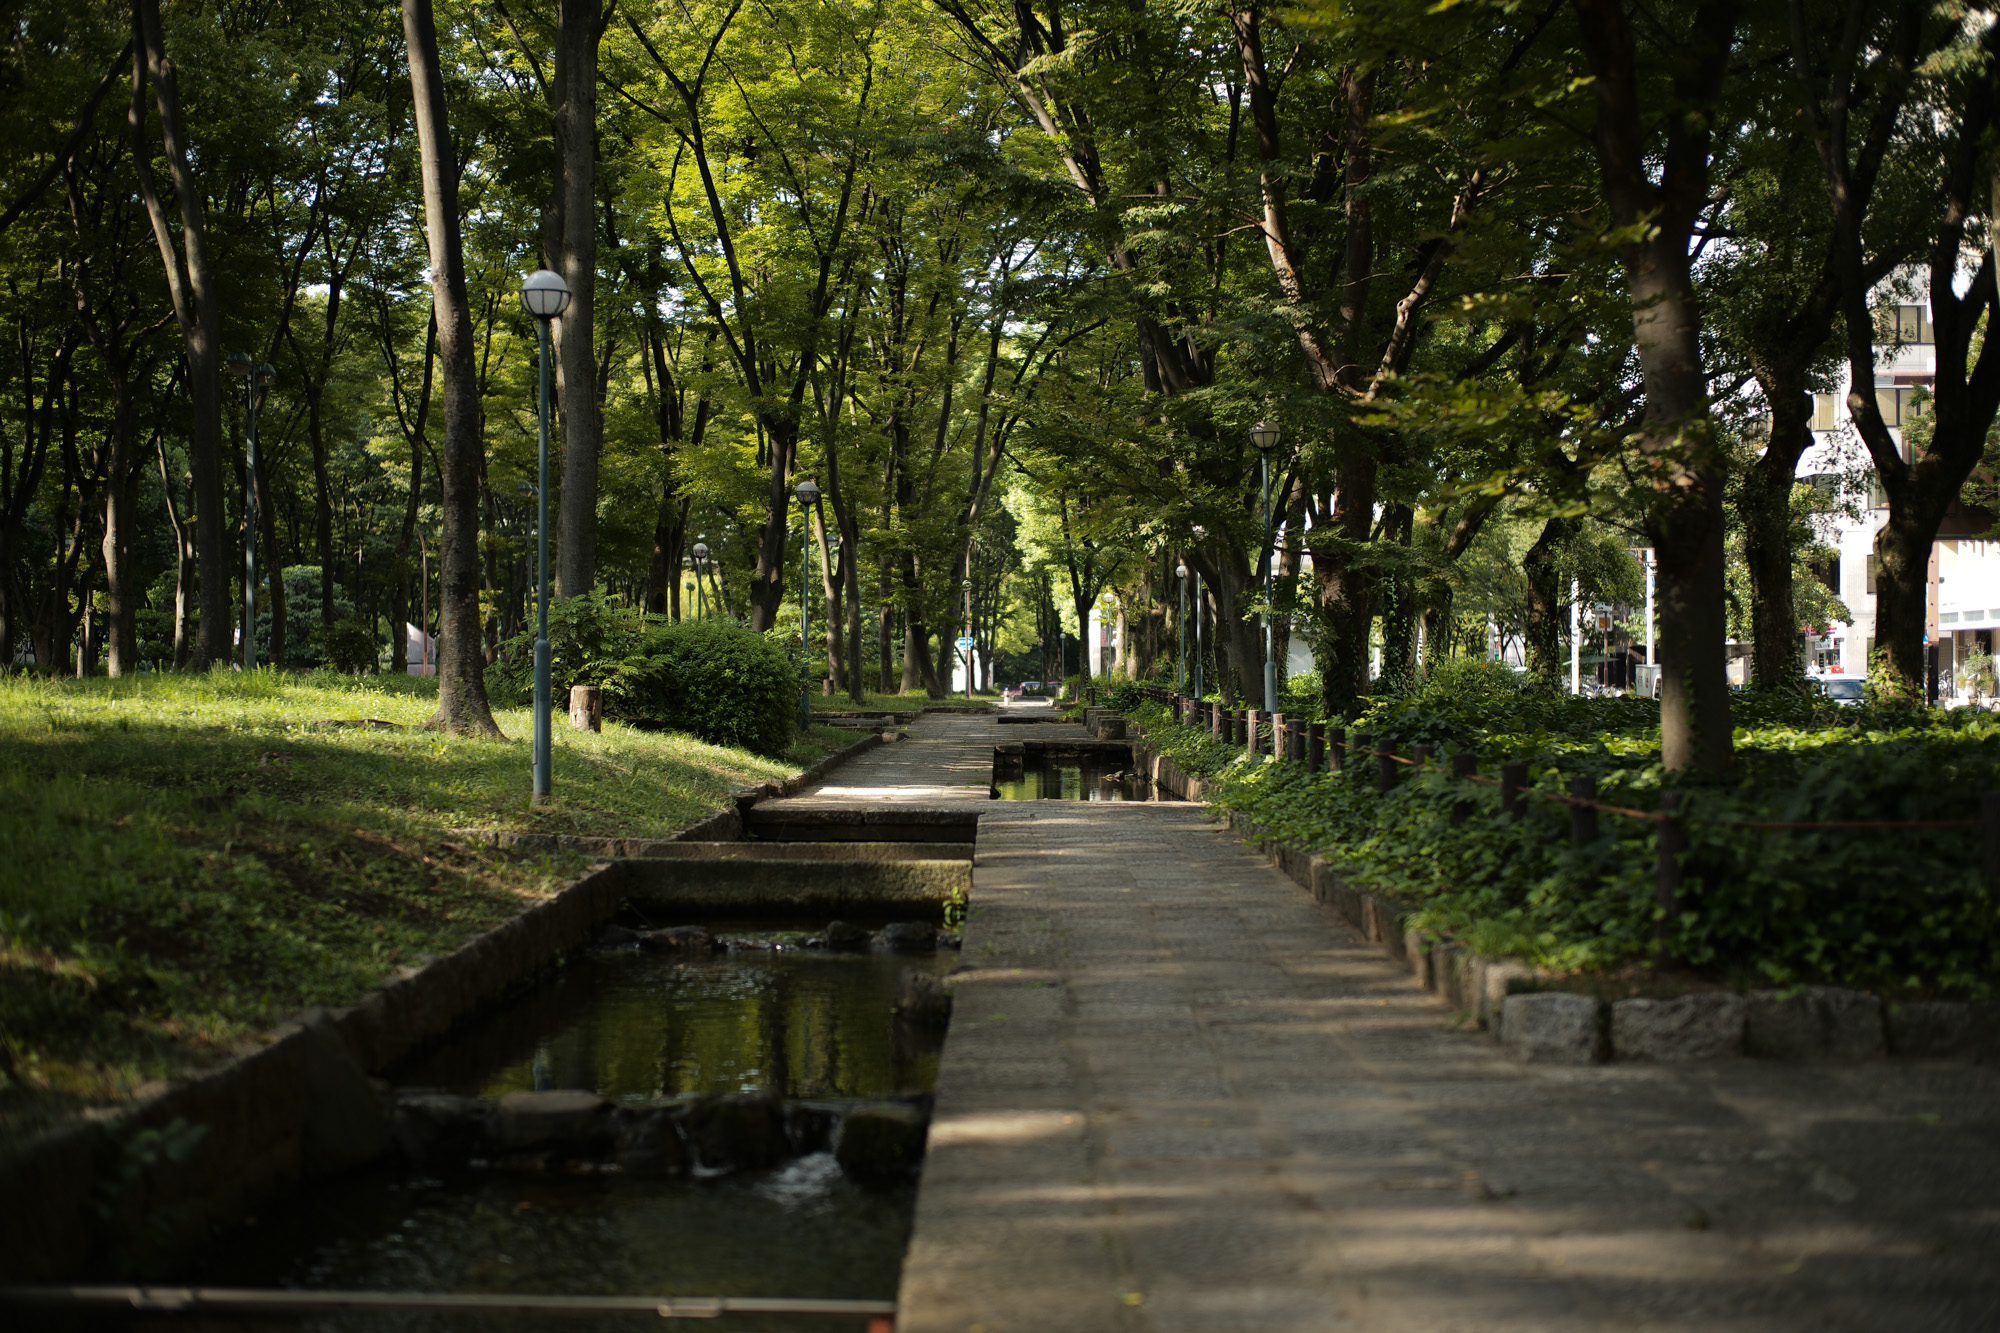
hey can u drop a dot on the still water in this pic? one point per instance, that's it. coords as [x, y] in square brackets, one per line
[631, 1026]
[1071, 780]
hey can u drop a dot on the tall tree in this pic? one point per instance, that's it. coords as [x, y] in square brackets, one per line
[462, 705]
[191, 284]
[1658, 101]
[1921, 482]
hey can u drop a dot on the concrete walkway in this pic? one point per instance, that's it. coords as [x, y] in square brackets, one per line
[1178, 1094]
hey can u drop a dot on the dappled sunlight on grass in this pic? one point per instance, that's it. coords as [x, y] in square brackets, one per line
[192, 858]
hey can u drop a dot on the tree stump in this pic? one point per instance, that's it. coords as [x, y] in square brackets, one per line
[586, 708]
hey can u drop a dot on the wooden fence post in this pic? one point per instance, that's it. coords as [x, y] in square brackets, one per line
[1385, 766]
[1315, 747]
[1359, 747]
[1463, 765]
[1251, 739]
[1423, 755]
[1583, 818]
[1281, 740]
[1336, 749]
[1513, 777]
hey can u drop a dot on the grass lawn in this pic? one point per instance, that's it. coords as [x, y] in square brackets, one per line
[190, 859]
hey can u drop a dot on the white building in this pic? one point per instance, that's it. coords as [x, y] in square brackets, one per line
[1964, 603]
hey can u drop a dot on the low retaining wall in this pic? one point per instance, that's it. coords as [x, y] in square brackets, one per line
[1537, 1019]
[131, 1191]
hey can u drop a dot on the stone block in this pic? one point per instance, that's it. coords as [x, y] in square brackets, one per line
[1944, 1028]
[344, 1121]
[649, 1143]
[1501, 978]
[1706, 1026]
[907, 937]
[1552, 1027]
[1814, 1023]
[739, 1132]
[881, 1143]
[692, 941]
[440, 1127]
[1417, 945]
[571, 1121]
[923, 999]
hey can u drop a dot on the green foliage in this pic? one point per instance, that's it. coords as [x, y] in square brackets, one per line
[1901, 911]
[588, 637]
[713, 680]
[351, 648]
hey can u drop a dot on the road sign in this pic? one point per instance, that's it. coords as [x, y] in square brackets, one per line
[965, 641]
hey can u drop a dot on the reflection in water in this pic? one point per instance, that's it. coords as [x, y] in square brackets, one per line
[629, 1026]
[804, 1230]
[1073, 780]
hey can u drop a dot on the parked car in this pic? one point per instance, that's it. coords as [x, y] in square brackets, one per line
[1030, 686]
[1842, 690]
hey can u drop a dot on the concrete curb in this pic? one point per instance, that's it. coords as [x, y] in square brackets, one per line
[130, 1190]
[1502, 995]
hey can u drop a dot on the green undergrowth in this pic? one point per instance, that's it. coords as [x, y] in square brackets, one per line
[190, 859]
[1901, 912]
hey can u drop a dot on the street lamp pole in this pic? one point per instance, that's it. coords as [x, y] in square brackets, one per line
[700, 573]
[965, 586]
[1199, 604]
[545, 296]
[807, 491]
[256, 378]
[1180, 673]
[1265, 436]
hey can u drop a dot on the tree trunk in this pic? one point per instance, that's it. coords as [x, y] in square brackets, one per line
[575, 119]
[273, 564]
[1767, 538]
[1684, 516]
[120, 592]
[462, 706]
[1548, 596]
[885, 665]
[192, 288]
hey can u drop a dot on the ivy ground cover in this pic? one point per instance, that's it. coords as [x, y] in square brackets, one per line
[1898, 911]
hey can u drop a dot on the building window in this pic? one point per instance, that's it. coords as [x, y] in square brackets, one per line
[1874, 562]
[1909, 324]
[1826, 411]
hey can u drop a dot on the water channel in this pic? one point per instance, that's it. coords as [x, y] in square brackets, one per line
[1072, 779]
[768, 1015]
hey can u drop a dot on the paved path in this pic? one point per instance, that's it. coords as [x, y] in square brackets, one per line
[1178, 1094]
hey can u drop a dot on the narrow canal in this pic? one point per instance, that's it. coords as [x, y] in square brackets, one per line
[775, 1012]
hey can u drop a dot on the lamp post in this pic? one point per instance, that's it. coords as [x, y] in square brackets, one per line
[965, 586]
[1180, 672]
[700, 573]
[807, 491]
[1265, 436]
[545, 296]
[1200, 604]
[257, 378]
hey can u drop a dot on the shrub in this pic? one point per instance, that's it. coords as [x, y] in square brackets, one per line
[351, 648]
[588, 637]
[712, 679]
